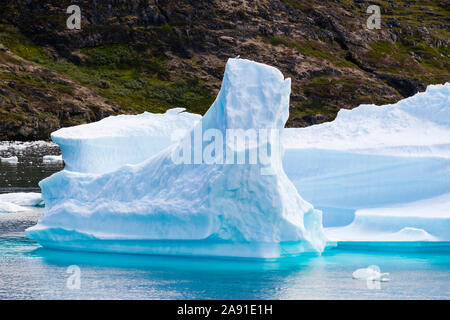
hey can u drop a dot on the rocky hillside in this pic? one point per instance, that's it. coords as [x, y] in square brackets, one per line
[137, 55]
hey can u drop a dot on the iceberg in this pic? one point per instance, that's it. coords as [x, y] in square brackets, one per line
[423, 220]
[361, 169]
[8, 207]
[371, 273]
[19, 201]
[166, 206]
[362, 159]
[11, 160]
[52, 159]
[31, 199]
[106, 145]
[374, 156]
[386, 166]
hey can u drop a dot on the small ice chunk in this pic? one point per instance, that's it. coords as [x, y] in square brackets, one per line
[52, 159]
[12, 160]
[22, 198]
[371, 273]
[8, 207]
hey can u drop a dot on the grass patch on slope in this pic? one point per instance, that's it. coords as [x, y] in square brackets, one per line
[310, 48]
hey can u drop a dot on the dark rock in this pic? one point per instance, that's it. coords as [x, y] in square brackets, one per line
[405, 86]
[314, 119]
[392, 23]
[104, 84]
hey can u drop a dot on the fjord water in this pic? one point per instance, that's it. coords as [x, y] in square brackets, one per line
[28, 271]
[26, 174]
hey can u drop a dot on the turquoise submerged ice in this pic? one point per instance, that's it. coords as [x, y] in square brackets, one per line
[161, 207]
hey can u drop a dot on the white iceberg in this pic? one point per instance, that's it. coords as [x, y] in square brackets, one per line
[387, 164]
[371, 273]
[20, 146]
[161, 207]
[19, 201]
[52, 159]
[8, 207]
[106, 145]
[372, 159]
[11, 160]
[423, 220]
[374, 156]
[371, 156]
[22, 198]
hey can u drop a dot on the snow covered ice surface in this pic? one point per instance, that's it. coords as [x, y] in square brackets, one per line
[379, 173]
[161, 207]
[12, 160]
[389, 165]
[371, 273]
[106, 145]
[22, 198]
[19, 201]
[52, 158]
[417, 126]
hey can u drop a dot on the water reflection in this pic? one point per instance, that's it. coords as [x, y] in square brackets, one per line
[31, 271]
[28, 271]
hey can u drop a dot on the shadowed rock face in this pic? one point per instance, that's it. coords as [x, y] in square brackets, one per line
[142, 55]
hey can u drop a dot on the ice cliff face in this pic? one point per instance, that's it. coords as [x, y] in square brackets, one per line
[106, 145]
[167, 207]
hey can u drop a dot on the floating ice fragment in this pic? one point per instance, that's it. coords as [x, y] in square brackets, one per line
[371, 273]
[52, 159]
[22, 198]
[8, 207]
[11, 160]
[162, 207]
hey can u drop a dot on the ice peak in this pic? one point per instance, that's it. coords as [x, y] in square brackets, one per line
[252, 96]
